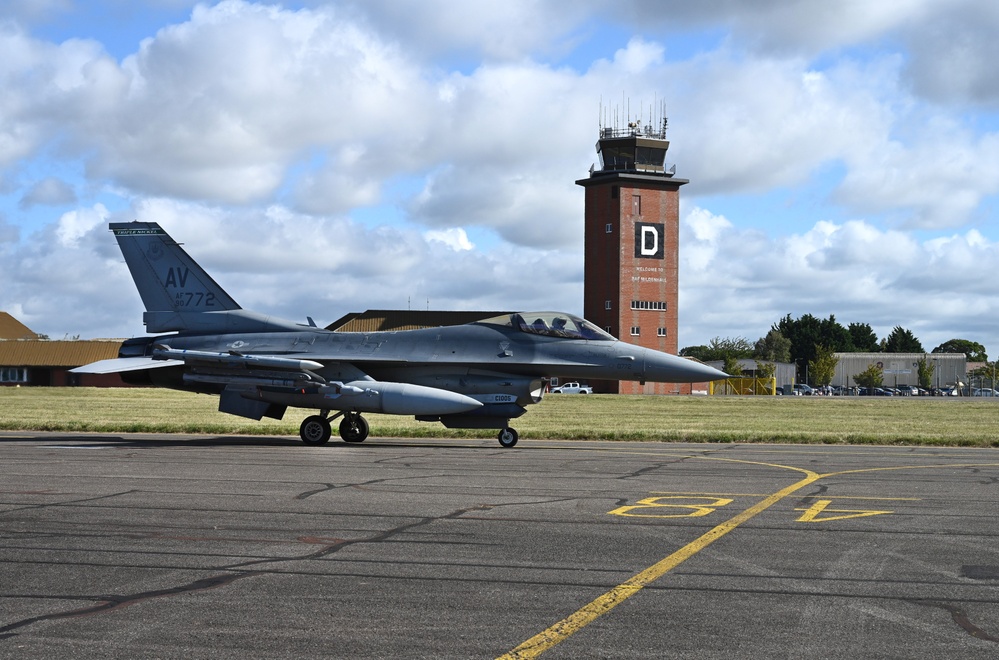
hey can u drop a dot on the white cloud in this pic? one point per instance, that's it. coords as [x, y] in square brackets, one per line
[752, 125]
[455, 238]
[953, 52]
[231, 99]
[507, 31]
[48, 191]
[72, 226]
[853, 270]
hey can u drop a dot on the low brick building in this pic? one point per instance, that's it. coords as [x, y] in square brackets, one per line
[26, 359]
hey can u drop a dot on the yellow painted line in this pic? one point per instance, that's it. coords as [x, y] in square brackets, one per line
[858, 497]
[943, 466]
[825, 497]
[582, 617]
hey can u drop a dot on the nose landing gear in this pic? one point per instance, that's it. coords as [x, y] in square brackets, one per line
[508, 437]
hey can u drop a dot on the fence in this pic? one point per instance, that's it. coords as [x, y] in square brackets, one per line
[743, 387]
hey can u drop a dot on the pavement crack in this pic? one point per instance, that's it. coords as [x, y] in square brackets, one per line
[84, 500]
[109, 603]
[659, 465]
[395, 531]
[960, 617]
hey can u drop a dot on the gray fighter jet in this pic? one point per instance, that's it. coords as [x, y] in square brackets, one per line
[477, 375]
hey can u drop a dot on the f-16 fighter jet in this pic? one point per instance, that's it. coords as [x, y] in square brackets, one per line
[477, 375]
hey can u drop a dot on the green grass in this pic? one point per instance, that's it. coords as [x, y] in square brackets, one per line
[847, 420]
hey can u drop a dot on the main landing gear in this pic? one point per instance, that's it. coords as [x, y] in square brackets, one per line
[316, 429]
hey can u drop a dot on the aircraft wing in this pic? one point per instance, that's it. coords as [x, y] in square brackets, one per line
[119, 365]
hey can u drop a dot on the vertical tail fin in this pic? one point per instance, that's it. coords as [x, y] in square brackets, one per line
[167, 278]
[178, 294]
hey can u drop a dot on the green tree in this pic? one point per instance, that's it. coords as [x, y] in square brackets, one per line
[699, 352]
[765, 369]
[864, 339]
[901, 341]
[808, 332]
[823, 367]
[732, 366]
[872, 376]
[834, 336]
[924, 372]
[720, 348]
[774, 347]
[987, 372]
[974, 350]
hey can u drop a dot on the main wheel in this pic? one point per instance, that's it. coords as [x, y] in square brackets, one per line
[315, 430]
[353, 428]
[508, 437]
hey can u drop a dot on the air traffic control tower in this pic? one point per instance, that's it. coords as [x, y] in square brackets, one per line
[632, 222]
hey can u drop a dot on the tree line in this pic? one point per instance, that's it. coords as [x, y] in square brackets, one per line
[810, 342]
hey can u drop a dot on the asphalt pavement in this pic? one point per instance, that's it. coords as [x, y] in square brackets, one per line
[137, 546]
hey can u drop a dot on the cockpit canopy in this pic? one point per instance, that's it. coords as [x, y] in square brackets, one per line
[551, 324]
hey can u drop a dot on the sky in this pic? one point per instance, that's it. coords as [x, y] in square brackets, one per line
[321, 158]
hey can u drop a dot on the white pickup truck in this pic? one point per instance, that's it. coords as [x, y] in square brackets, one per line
[572, 388]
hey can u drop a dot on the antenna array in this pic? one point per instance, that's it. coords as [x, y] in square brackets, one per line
[613, 122]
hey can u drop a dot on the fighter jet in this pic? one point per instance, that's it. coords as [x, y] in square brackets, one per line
[477, 375]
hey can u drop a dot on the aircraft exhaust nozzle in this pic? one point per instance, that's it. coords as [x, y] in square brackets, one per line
[396, 398]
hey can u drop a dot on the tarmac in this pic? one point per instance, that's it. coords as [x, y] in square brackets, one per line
[138, 546]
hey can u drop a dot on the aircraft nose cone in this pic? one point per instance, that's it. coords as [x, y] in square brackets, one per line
[666, 368]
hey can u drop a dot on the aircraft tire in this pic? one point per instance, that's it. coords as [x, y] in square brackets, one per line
[315, 430]
[508, 437]
[354, 428]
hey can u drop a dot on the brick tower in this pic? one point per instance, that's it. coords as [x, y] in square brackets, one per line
[632, 222]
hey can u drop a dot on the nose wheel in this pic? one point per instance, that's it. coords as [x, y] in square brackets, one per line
[508, 437]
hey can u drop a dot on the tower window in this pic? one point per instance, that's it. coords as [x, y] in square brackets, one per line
[635, 331]
[661, 332]
[607, 304]
[609, 228]
[656, 305]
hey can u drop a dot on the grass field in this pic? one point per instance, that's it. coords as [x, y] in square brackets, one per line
[846, 420]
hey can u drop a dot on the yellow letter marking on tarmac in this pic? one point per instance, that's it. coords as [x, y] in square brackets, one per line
[697, 510]
[582, 617]
[812, 513]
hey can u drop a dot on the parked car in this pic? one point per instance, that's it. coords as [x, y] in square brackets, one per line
[875, 391]
[572, 388]
[802, 390]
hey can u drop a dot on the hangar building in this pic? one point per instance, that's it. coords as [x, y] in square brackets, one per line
[902, 368]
